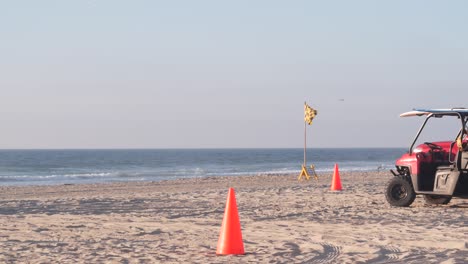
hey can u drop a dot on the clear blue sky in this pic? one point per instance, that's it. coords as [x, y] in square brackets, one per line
[209, 74]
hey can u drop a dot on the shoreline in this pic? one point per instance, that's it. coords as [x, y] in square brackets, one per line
[56, 167]
[282, 219]
[327, 173]
[269, 179]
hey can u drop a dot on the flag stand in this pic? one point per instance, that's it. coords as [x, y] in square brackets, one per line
[310, 113]
[306, 172]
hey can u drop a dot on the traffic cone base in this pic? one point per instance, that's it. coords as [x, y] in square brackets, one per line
[230, 237]
[336, 181]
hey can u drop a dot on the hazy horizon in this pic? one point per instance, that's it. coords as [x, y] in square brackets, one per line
[209, 74]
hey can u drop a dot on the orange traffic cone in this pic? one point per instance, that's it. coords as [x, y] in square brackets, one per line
[230, 237]
[336, 182]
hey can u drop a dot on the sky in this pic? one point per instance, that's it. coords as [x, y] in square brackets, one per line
[226, 74]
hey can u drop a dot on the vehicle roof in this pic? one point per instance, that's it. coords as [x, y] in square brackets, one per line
[439, 112]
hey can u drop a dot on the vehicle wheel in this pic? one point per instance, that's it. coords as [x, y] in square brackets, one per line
[400, 191]
[437, 199]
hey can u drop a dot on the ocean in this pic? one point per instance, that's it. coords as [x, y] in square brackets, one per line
[49, 167]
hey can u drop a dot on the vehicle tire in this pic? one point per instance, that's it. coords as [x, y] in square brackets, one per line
[400, 191]
[437, 199]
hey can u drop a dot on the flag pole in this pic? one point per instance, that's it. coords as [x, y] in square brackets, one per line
[309, 114]
[305, 137]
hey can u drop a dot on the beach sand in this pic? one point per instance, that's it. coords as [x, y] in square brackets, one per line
[283, 221]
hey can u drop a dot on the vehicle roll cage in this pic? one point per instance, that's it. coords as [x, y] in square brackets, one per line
[461, 115]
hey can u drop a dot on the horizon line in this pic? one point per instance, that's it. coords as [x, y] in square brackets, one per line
[200, 148]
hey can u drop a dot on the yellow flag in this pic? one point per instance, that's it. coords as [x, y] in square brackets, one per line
[309, 114]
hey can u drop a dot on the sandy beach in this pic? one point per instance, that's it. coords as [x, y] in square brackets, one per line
[283, 221]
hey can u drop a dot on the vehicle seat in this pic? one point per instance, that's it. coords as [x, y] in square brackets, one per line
[461, 158]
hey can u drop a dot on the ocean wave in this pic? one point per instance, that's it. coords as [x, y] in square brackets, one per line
[158, 174]
[94, 166]
[53, 176]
